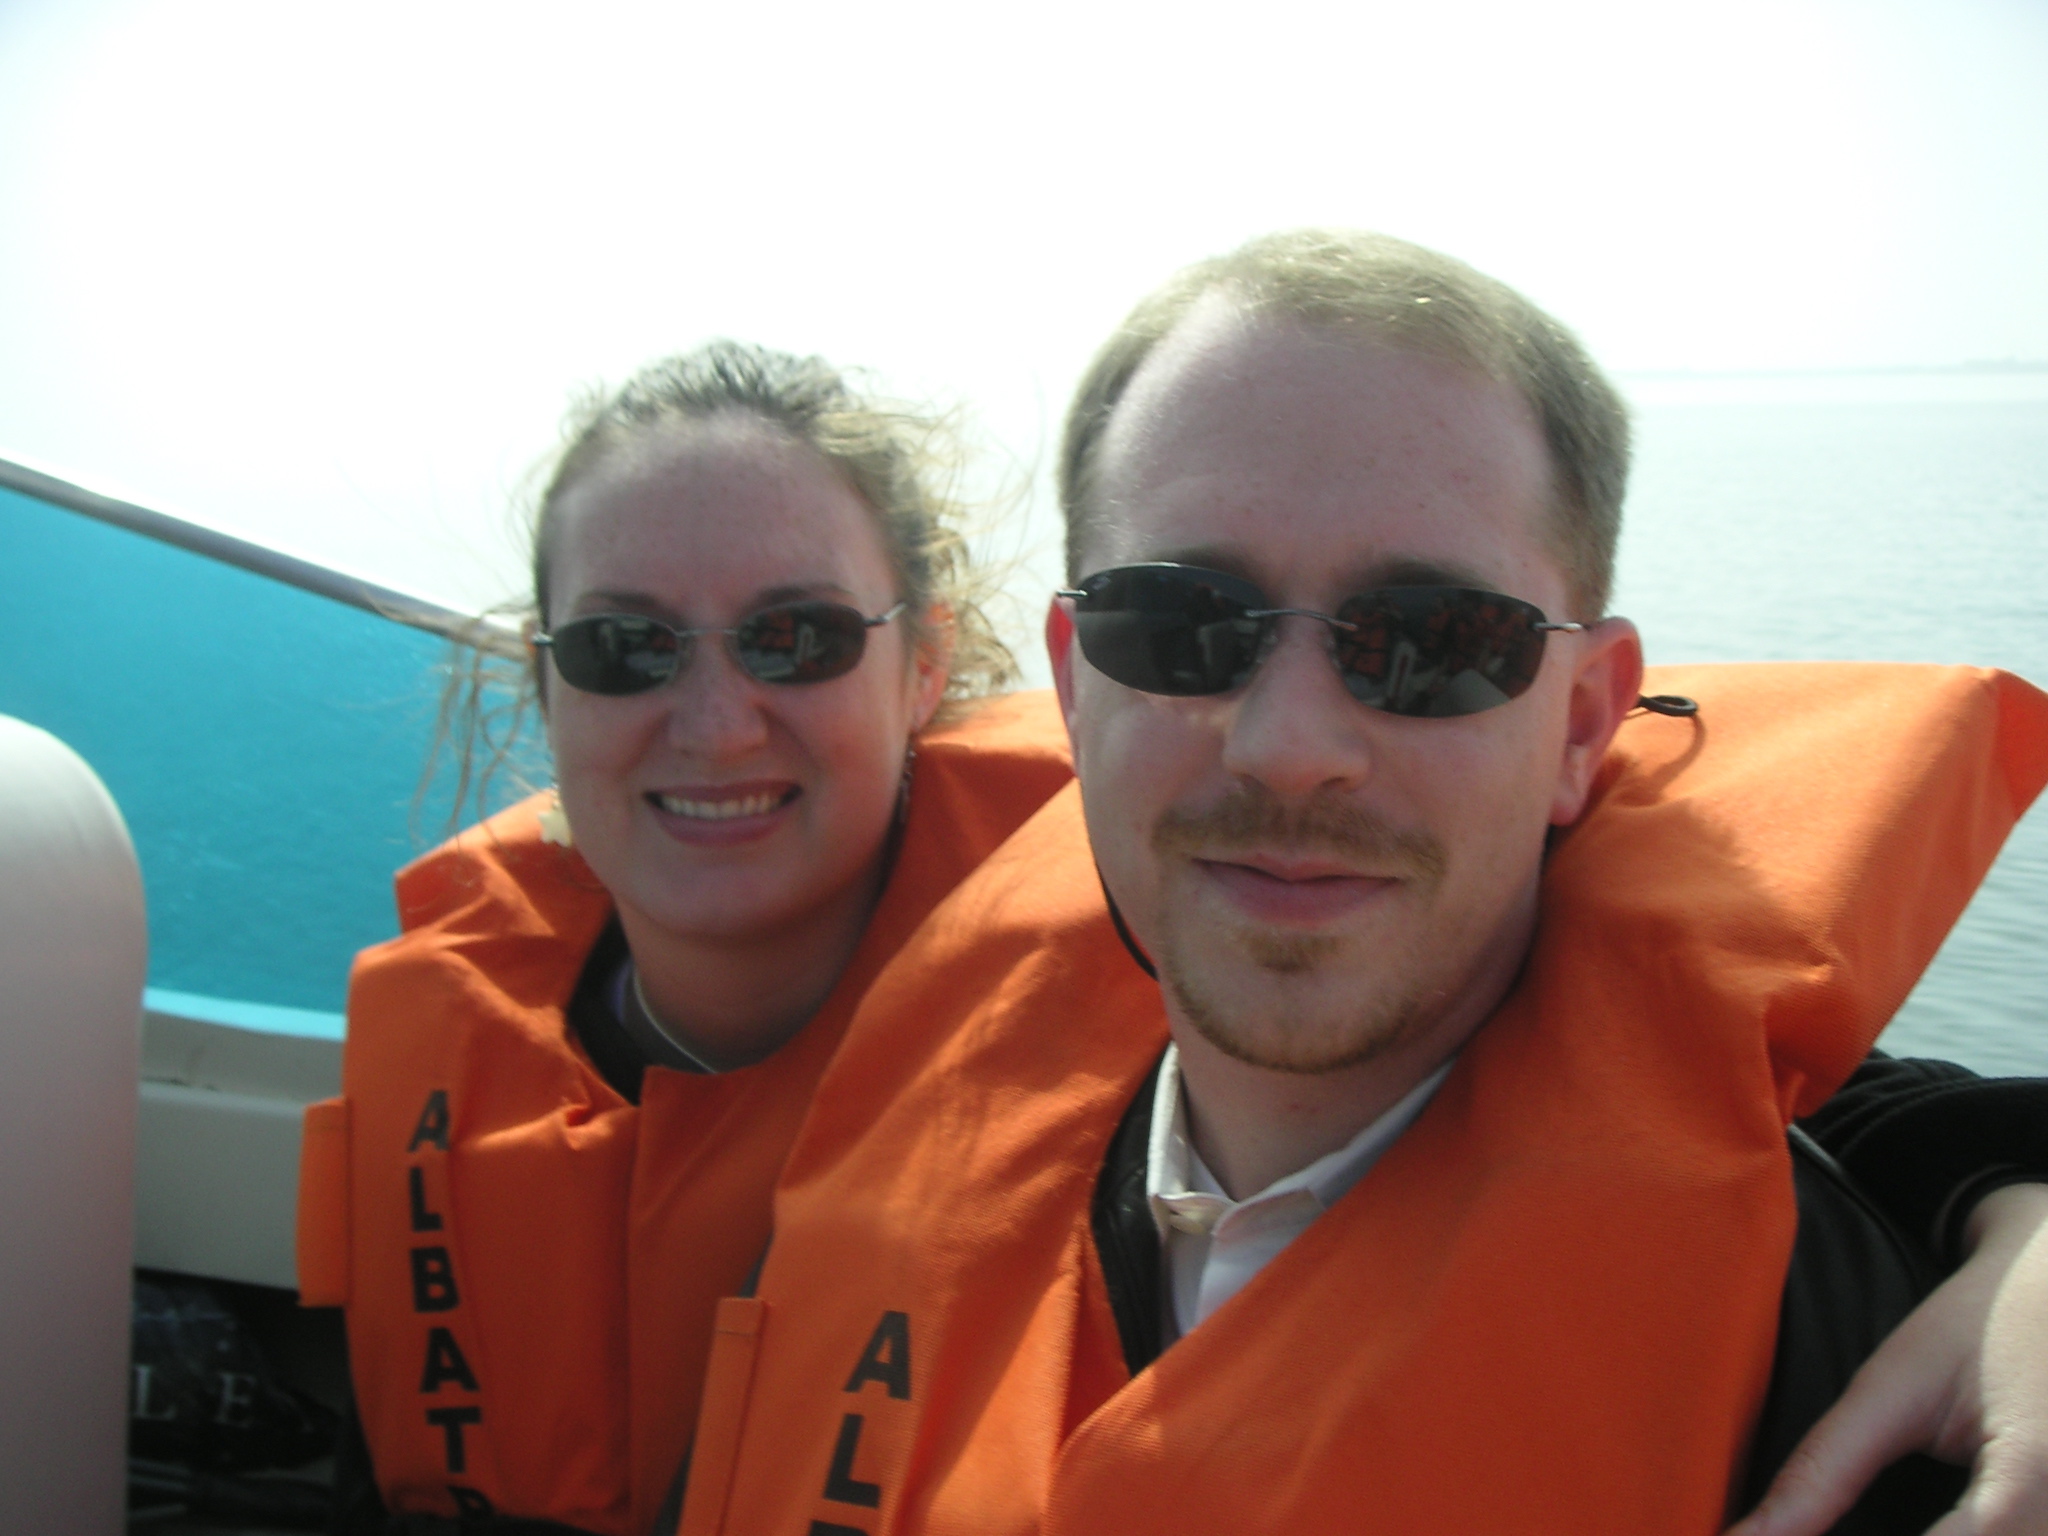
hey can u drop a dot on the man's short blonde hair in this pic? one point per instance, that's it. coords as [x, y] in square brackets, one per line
[1389, 289]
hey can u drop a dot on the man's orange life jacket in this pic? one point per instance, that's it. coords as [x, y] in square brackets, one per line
[530, 1263]
[1549, 1308]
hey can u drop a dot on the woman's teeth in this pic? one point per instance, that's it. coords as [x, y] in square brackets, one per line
[719, 810]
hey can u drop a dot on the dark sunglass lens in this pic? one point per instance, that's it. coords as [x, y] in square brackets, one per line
[802, 642]
[1169, 629]
[1438, 651]
[617, 654]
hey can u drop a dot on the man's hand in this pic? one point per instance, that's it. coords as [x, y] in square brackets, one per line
[1964, 1378]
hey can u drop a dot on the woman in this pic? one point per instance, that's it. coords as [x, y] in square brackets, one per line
[750, 609]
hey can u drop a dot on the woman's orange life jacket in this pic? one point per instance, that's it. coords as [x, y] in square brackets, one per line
[529, 1262]
[1549, 1308]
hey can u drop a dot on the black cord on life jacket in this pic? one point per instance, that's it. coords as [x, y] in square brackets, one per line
[1667, 704]
[1123, 931]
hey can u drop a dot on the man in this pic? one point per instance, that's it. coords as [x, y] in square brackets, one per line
[1341, 524]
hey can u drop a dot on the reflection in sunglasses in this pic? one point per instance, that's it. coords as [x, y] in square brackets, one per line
[620, 654]
[1422, 651]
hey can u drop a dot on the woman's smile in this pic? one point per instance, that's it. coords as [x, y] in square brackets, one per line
[726, 814]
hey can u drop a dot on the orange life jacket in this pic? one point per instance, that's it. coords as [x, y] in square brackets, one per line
[1549, 1308]
[529, 1262]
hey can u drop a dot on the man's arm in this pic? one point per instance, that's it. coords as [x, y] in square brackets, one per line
[1965, 1377]
[1927, 1140]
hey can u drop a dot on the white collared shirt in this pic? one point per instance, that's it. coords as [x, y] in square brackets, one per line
[1211, 1244]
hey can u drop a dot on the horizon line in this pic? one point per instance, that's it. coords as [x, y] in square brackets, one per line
[2000, 365]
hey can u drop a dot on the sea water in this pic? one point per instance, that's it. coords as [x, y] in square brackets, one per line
[1901, 519]
[265, 743]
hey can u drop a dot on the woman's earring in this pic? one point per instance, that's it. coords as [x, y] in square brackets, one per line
[554, 823]
[903, 786]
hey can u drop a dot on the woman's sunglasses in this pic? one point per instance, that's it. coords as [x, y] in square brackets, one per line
[1427, 651]
[621, 653]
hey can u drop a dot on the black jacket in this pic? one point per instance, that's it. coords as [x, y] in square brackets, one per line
[1925, 1138]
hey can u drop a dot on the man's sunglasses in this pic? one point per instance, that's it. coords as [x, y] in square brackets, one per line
[621, 653]
[1426, 651]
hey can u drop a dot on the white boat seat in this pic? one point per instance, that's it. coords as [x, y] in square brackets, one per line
[73, 955]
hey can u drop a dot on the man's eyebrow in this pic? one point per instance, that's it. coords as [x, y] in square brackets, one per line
[1208, 556]
[1411, 571]
[1398, 571]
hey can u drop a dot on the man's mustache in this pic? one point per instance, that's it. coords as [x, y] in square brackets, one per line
[1251, 818]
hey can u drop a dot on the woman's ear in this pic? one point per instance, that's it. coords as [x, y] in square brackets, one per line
[931, 661]
[536, 662]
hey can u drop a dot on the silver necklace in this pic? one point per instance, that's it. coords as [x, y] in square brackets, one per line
[661, 1027]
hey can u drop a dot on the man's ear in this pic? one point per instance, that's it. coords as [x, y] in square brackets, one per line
[1607, 677]
[1059, 647]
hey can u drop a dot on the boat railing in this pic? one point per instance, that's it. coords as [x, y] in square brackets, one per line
[260, 560]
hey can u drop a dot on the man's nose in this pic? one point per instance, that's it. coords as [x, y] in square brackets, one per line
[716, 709]
[1295, 728]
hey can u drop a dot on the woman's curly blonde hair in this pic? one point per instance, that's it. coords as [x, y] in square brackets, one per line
[904, 464]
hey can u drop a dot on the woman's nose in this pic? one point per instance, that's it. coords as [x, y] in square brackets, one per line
[715, 708]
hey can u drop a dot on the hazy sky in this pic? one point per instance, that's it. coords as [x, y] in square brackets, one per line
[325, 275]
